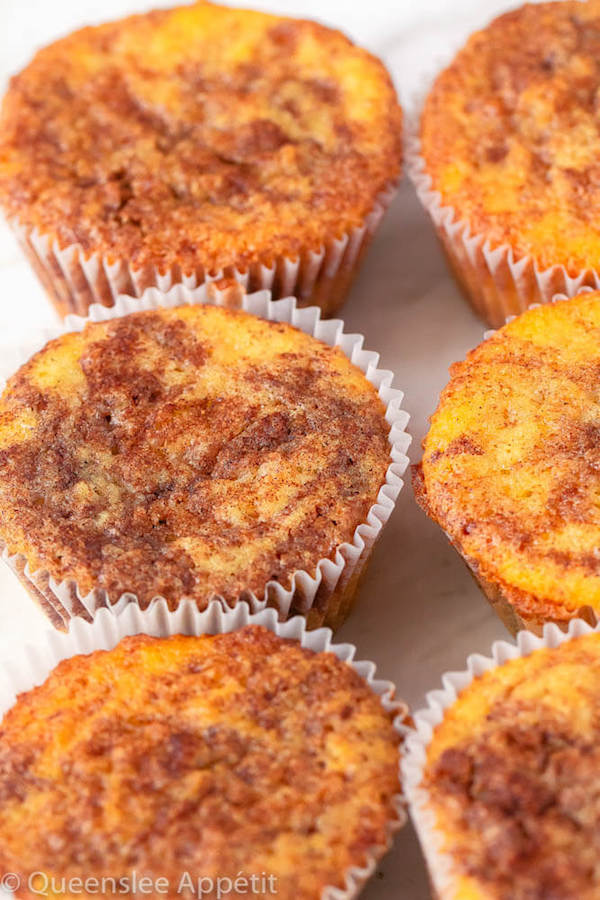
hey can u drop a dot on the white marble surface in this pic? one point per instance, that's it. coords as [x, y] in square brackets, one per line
[419, 613]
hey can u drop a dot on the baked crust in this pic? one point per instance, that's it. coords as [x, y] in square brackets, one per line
[512, 777]
[200, 135]
[509, 133]
[238, 753]
[510, 464]
[187, 452]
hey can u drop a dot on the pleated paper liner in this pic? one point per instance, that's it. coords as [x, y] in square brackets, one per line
[442, 869]
[325, 595]
[513, 615]
[38, 659]
[497, 281]
[74, 279]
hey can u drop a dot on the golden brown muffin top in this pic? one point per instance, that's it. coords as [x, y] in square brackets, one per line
[511, 464]
[199, 132]
[187, 451]
[241, 752]
[510, 133]
[513, 774]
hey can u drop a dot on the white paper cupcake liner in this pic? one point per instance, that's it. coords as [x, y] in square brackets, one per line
[75, 280]
[325, 595]
[443, 871]
[498, 281]
[38, 659]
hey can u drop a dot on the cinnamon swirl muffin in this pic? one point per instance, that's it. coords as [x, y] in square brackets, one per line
[510, 779]
[188, 761]
[509, 142]
[189, 451]
[511, 464]
[198, 140]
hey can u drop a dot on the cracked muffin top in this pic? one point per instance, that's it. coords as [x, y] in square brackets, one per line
[511, 133]
[187, 452]
[512, 776]
[511, 463]
[198, 133]
[242, 753]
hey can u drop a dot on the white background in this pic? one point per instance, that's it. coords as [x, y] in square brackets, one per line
[419, 613]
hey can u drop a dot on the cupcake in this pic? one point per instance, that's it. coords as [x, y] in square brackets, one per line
[501, 773]
[507, 162]
[198, 451]
[218, 765]
[196, 142]
[511, 466]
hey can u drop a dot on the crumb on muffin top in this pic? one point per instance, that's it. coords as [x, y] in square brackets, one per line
[241, 752]
[511, 464]
[199, 133]
[513, 777]
[187, 452]
[510, 133]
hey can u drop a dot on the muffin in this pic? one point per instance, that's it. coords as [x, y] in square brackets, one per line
[509, 158]
[504, 793]
[194, 451]
[174, 145]
[197, 761]
[510, 467]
